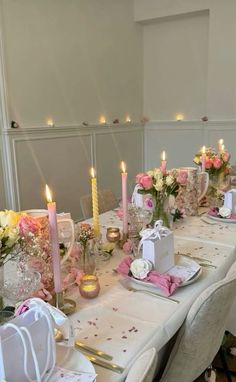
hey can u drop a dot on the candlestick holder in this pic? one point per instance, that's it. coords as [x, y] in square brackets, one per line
[66, 305]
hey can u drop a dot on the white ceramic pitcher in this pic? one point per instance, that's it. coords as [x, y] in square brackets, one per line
[195, 189]
[66, 228]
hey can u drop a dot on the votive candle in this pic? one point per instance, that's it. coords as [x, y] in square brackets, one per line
[56, 262]
[124, 177]
[163, 162]
[96, 226]
[203, 158]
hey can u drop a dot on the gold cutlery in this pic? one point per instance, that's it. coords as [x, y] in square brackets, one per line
[207, 265]
[108, 365]
[89, 349]
[193, 257]
[82, 346]
[131, 289]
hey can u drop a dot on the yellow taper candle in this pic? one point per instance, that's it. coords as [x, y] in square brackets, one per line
[96, 226]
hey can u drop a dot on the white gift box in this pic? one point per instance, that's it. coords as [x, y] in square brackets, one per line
[158, 247]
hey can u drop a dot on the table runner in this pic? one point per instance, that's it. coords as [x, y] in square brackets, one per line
[125, 323]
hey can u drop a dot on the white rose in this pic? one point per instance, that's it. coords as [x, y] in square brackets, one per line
[157, 173]
[150, 173]
[225, 212]
[159, 184]
[169, 180]
[8, 218]
[140, 268]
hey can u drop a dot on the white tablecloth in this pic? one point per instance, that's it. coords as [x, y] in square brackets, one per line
[125, 323]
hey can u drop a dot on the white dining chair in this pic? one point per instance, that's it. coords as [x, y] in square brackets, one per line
[143, 369]
[106, 201]
[200, 337]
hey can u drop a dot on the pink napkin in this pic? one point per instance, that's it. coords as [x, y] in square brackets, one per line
[163, 281]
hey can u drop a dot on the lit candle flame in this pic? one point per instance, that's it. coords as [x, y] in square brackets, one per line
[222, 148]
[92, 172]
[102, 119]
[221, 141]
[203, 149]
[123, 166]
[179, 117]
[50, 122]
[128, 119]
[48, 194]
[163, 155]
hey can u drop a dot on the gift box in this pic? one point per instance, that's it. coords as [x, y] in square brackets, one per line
[230, 200]
[158, 247]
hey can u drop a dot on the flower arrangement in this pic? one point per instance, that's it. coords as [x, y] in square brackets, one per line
[9, 233]
[215, 162]
[160, 185]
[23, 238]
[85, 233]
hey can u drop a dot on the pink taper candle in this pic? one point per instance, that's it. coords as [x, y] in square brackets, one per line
[203, 158]
[124, 198]
[56, 263]
[163, 162]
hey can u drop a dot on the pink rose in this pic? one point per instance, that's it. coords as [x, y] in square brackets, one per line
[217, 163]
[182, 177]
[139, 177]
[146, 182]
[37, 264]
[208, 163]
[27, 224]
[226, 156]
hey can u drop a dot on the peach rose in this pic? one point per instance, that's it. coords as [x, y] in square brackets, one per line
[208, 163]
[226, 156]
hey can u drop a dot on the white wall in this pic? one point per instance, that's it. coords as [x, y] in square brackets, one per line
[71, 60]
[175, 67]
[189, 52]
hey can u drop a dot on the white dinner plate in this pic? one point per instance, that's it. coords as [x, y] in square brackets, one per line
[221, 220]
[72, 359]
[182, 261]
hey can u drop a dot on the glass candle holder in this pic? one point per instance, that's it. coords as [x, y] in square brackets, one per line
[89, 286]
[113, 234]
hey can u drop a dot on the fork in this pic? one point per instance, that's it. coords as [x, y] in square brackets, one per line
[131, 289]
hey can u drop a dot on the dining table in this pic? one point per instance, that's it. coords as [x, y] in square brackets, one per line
[123, 322]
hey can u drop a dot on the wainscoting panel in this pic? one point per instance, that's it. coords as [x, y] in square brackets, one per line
[62, 158]
[111, 149]
[181, 140]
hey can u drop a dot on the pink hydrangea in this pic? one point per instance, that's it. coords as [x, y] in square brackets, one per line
[27, 224]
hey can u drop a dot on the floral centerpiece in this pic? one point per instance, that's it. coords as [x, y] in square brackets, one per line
[218, 167]
[216, 163]
[160, 185]
[9, 233]
[24, 240]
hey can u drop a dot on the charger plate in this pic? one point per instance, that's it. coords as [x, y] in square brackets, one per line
[221, 220]
[183, 262]
[71, 359]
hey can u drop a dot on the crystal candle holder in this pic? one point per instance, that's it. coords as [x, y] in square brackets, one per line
[113, 234]
[89, 286]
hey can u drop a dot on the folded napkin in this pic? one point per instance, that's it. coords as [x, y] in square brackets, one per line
[164, 281]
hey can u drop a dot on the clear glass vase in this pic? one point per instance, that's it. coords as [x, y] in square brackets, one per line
[161, 211]
[87, 262]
